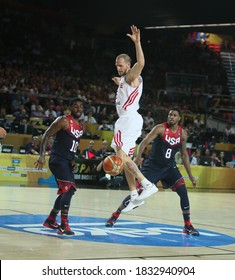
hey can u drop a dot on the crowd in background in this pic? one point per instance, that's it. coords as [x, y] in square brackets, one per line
[47, 61]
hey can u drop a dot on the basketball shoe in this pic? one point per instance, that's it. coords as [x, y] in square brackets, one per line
[51, 224]
[112, 220]
[190, 230]
[132, 205]
[64, 228]
[147, 192]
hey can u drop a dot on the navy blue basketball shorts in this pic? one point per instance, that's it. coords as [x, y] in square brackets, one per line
[63, 171]
[170, 176]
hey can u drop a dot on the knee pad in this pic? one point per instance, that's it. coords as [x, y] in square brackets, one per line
[66, 198]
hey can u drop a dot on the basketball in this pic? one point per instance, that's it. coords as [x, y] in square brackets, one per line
[3, 133]
[113, 165]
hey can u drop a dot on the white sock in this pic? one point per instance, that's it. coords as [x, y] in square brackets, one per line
[134, 195]
[146, 183]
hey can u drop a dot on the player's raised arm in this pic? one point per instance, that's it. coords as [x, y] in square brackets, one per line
[137, 68]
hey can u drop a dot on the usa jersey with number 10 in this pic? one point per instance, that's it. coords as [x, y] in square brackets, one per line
[66, 141]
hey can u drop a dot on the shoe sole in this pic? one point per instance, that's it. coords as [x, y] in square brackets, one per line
[50, 227]
[192, 234]
[64, 233]
[125, 210]
[109, 224]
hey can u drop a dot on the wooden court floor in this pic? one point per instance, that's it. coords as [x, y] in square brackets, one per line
[150, 232]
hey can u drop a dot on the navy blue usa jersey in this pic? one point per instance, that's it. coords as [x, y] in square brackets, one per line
[66, 141]
[166, 146]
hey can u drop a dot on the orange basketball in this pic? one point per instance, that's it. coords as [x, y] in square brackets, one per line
[113, 165]
[3, 133]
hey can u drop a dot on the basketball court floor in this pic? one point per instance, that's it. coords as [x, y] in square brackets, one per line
[150, 232]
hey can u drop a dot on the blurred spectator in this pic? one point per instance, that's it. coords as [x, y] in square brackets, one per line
[39, 112]
[89, 118]
[215, 160]
[3, 113]
[222, 159]
[149, 127]
[105, 125]
[59, 110]
[103, 151]
[111, 97]
[51, 110]
[89, 152]
[33, 147]
[14, 126]
[195, 157]
[25, 127]
[198, 123]
[49, 120]
[207, 152]
[112, 119]
[36, 107]
[148, 120]
[229, 133]
[15, 104]
[21, 113]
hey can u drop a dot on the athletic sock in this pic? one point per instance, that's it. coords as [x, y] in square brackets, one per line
[187, 222]
[134, 195]
[146, 183]
[116, 214]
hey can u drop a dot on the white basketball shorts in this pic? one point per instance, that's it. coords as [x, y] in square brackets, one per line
[126, 131]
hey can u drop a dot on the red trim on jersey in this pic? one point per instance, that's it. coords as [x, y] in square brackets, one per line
[131, 152]
[77, 126]
[131, 98]
[118, 139]
[64, 186]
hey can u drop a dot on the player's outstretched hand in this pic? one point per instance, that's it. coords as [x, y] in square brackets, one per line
[39, 162]
[116, 80]
[135, 36]
[194, 182]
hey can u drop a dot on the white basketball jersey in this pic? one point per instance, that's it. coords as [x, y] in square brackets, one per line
[128, 97]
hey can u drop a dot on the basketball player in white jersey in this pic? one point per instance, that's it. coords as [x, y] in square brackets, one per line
[129, 125]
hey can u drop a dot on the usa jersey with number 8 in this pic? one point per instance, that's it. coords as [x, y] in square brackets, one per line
[166, 146]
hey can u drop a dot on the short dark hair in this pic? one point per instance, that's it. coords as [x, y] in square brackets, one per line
[176, 109]
[72, 102]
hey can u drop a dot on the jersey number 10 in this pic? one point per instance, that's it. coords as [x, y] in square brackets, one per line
[74, 146]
